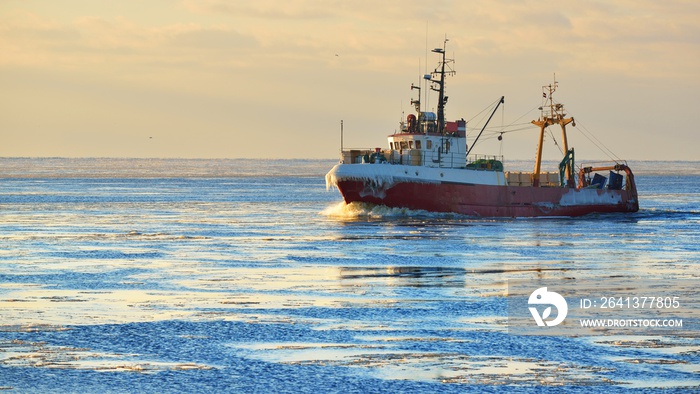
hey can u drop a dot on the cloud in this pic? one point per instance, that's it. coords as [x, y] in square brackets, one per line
[264, 9]
[194, 36]
[280, 57]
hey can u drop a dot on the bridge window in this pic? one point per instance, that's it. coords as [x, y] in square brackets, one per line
[410, 144]
[429, 144]
[418, 144]
[404, 145]
[391, 145]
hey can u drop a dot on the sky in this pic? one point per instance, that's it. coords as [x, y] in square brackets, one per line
[273, 79]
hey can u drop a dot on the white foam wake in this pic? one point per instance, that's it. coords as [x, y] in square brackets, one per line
[360, 210]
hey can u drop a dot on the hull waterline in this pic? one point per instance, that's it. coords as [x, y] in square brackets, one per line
[491, 201]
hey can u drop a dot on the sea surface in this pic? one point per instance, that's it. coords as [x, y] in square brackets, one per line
[137, 275]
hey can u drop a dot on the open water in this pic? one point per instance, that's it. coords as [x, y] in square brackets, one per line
[147, 276]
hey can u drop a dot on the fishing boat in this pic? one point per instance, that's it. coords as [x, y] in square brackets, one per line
[428, 166]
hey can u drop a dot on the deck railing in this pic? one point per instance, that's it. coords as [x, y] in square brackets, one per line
[419, 157]
[413, 157]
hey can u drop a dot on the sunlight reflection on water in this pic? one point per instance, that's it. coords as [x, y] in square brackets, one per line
[219, 275]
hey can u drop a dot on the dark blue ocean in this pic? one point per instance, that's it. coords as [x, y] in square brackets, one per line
[136, 275]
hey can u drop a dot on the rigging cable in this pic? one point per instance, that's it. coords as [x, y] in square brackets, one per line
[500, 136]
[594, 140]
[484, 114]
[591, 137]
[513, 123]
[555, 141]
[523, 115]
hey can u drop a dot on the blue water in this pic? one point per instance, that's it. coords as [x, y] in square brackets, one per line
[120, 275]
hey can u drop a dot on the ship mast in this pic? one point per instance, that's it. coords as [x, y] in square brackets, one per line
[439, 85]
[551, 114]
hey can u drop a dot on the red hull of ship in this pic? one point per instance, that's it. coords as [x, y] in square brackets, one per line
[488, 201]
